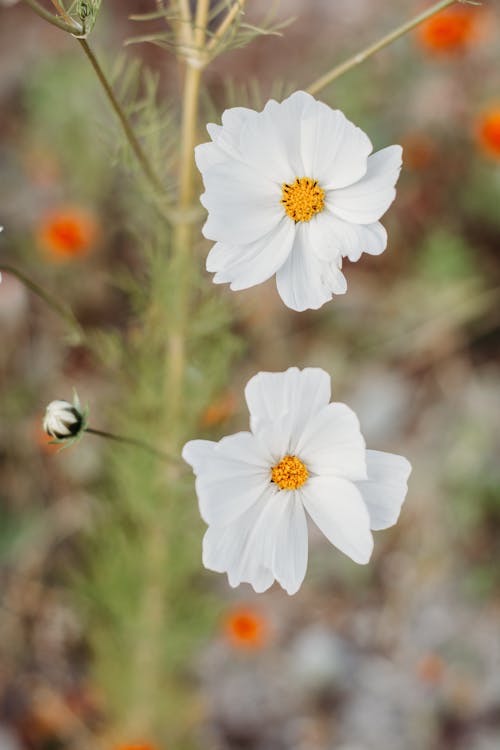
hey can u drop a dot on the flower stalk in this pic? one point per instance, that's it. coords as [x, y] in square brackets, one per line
[154, 604]
[63, 312]
[133, 442]
[183, 231]
[339, 70]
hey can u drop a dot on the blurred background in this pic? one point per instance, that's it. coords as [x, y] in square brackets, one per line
[403, 654]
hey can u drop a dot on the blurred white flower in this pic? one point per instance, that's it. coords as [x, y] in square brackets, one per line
[302, 454]
[290, 191]
[62, 420]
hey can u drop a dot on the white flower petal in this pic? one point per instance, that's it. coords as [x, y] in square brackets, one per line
[331, 443]
[207, 155]
[323, 237]
[367, 238]
[245, 549]
[69, 417]
[334, 279]
[247, 265]
[234, 118]
[61, 425]
[276, 436]
[242, 205]
[278, 542]
[224, 548]
[367, 200]
[269, 542]
[331, 238]
[58, 405]
[337, 508]
[290, 552]
[242, 447]
[227, 136]
[270, 396]
[334, 150]
[231, 475]
[271, 141]
[198, 454]
[225, 139]
[235, 454]
[300, 280]
[386, 488]
[259, 550]
[223, 499]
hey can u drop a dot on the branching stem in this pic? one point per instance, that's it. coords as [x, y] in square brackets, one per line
[225, 25]
[61, 11]
[77, 30]
[74, 28]
[360, 57]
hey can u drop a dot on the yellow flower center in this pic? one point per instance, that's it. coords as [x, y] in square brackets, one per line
[290, 473]
[302, 199]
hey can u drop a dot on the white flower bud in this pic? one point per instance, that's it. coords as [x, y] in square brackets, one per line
[62, 420]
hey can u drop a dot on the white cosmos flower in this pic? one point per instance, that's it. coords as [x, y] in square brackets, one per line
[302, 454]
[290, 191]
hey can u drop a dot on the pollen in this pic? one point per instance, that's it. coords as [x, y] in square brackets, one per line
[302, 199]
[290, 473]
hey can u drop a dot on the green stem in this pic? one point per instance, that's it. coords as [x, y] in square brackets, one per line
[74, 29]
[62, 311]
[181, 251]
[149, 668]
[132, 441]
[136, 147]
[360, 57]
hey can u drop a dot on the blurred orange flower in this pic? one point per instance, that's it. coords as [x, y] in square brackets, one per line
[219, 410]
[67, 233]
[246, 628]
[431, 668]
[450, 31]
[419, 150]
[488, 132]
[137, 746]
